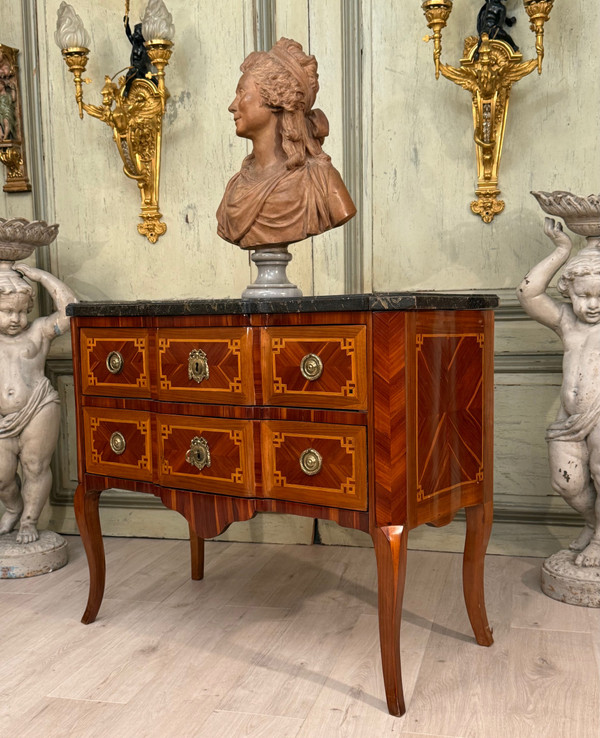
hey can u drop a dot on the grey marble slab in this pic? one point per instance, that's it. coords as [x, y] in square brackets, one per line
[377, 301]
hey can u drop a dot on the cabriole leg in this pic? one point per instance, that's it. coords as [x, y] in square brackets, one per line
[197, 555]
[390, 551]
[88, 521]
[479, 527]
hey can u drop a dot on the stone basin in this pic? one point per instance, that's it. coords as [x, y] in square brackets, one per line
[19, 237]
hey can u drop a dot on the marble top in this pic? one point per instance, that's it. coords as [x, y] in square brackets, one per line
[377, 301]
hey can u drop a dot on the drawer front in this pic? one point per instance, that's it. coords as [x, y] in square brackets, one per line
[118, 443]
[315, 463]
[206, 454]
[115, 362]
[212, 365]
[315, 366]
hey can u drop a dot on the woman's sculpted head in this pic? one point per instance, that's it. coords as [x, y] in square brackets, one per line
[287, 82]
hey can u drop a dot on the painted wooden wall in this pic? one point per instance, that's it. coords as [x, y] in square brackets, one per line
[403, 142]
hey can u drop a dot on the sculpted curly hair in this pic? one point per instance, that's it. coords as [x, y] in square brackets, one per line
[288, 82]
[13, 283]
[586, 263]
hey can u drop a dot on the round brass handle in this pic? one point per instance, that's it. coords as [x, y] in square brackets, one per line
[198, 366]
[199, 453]
[117, 443]
[311, 462]
[311, 367]
[114, 362]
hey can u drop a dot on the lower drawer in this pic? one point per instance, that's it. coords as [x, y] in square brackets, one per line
[118, 443]
[206, 454]
[315, 463]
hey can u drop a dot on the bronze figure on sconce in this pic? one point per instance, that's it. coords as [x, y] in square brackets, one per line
[140, 65]
[491, 20]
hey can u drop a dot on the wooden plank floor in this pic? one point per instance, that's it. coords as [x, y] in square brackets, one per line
[282, 642]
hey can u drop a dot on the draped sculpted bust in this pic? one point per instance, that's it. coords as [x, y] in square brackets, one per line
[287, 188]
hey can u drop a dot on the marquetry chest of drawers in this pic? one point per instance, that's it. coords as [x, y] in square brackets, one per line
[374, 411]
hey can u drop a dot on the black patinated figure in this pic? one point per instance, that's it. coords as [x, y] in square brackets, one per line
[141, 67]
[491, 19]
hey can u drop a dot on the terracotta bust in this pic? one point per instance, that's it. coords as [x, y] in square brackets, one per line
[287, 188]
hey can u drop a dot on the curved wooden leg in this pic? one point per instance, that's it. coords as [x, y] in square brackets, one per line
[390, 551]
[479, 528]
[197, 555]
[88, 521]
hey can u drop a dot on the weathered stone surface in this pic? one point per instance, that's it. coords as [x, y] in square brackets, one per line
[18, 560]
[564, 581]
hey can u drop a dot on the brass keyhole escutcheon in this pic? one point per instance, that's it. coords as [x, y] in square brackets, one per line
[117, 443]
[311, 367]
[114, 362]
[311, 462]
[198, 366]
[199, 453]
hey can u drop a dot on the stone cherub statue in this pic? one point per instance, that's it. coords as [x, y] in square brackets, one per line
[287, 188]
[574, 439]
[29, 409]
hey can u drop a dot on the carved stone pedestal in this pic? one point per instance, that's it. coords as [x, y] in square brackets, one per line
[575, 585]
[271, 280]
[19, 560]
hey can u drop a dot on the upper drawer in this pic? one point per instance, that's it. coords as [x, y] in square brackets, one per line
[115, 361]
[315, 366]
[211, 365]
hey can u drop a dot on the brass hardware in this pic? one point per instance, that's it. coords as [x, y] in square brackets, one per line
[134, 110]
[488, 70]
[117, 443]
[12, 148]
[311, 462]
[199, 453]
[436, 13]
[311, 367]
[198, 366]
[114, 362]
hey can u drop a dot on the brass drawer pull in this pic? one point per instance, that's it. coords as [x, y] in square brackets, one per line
[199, 453]
[311, 367]
[117, 443]
[114, 362]
[311, 462]
[198, 366]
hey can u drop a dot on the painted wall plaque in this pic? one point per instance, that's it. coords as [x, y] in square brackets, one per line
[12, 146]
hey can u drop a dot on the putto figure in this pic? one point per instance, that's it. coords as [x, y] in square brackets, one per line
[492, 18]
[287, 188]
[574, 439]
[29, 409]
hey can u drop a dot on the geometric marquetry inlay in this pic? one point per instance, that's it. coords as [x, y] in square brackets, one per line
[101, 375]
[341, 477]
[340, 350]
[228, 365]
[449, 412]
[229, 442]
[101, 426]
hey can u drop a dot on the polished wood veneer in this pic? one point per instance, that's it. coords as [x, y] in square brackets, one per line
[379, 418]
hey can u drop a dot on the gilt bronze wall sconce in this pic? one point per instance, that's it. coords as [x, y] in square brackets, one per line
[12, 148]
[133, 108]
[490, 65]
